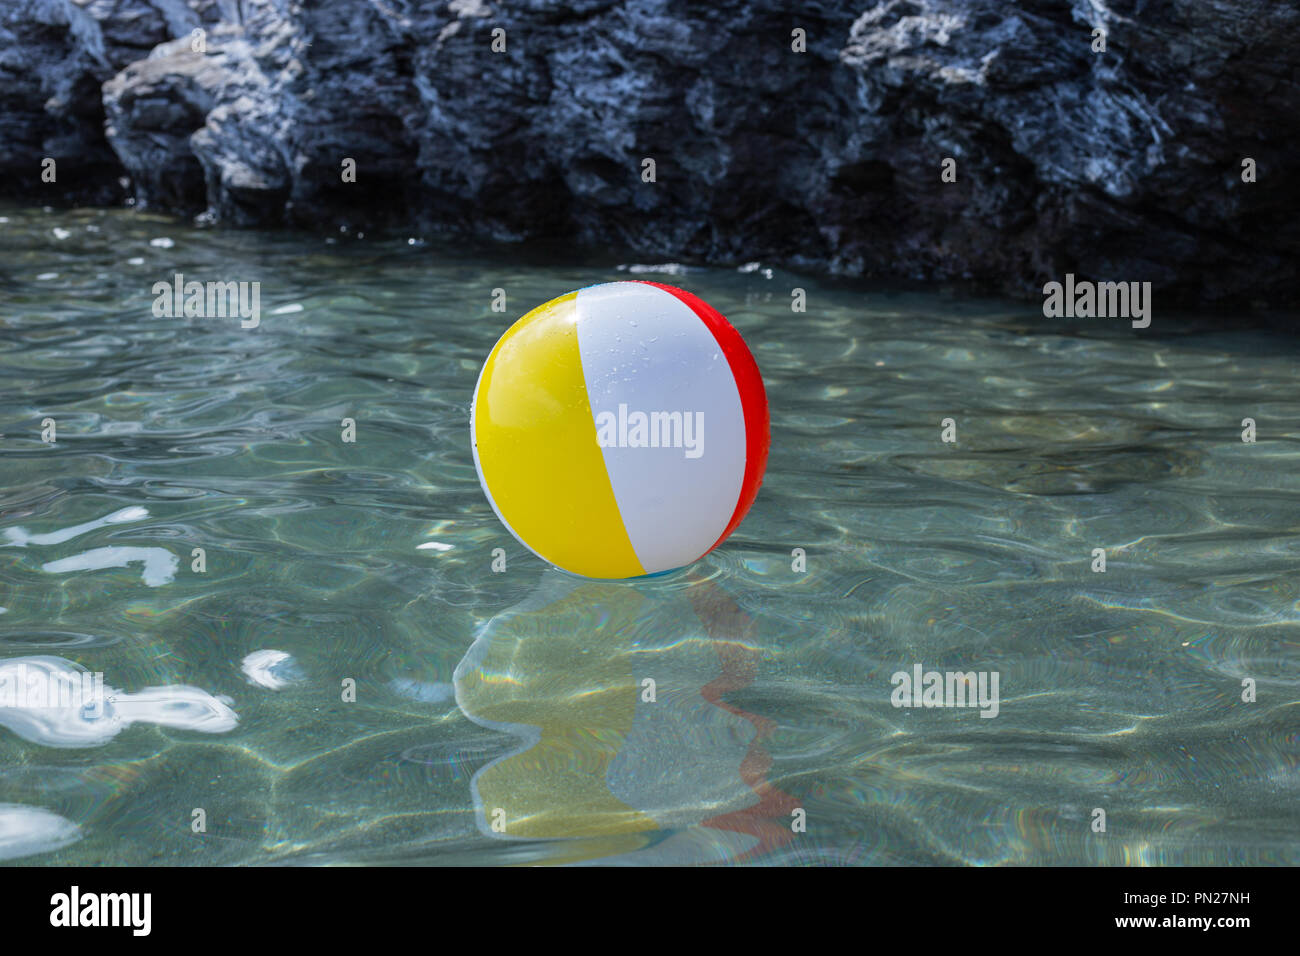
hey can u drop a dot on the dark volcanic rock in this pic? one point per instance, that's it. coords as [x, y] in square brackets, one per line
[1122, 165]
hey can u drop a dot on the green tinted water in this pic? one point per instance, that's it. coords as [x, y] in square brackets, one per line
[367, 565]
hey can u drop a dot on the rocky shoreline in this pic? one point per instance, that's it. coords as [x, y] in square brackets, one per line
[813, 135]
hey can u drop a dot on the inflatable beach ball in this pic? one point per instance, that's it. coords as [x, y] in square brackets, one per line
[620, 430]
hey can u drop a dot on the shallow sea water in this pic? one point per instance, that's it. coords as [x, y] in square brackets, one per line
[516, 698]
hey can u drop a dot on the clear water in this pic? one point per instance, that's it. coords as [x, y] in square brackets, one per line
[1118, 690]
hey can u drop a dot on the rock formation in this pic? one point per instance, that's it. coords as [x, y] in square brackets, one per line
[1121, 165]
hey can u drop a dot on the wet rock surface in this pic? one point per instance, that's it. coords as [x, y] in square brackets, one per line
[1116, 165]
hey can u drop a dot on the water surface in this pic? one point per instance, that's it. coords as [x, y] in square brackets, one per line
[518, 697]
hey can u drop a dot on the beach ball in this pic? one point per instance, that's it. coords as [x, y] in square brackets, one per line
[620, 430]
